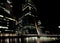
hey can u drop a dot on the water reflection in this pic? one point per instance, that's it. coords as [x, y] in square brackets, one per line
[31, 40]
[41, 39]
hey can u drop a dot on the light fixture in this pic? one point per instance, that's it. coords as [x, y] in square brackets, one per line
[58, 26]
[9, 2]
[1, 16]
[3, 27]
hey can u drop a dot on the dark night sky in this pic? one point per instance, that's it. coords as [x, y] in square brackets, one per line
[49, 14]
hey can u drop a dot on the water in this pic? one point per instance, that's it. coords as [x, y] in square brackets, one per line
[57, 41]
[28, 40]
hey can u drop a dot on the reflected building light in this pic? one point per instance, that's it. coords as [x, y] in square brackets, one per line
[7, 40]
[1, 16]
[15, 40]
[27, 40]
[31, 38]
[3, 27]
[45, 39]
[34, 37]
[42, 39]
[54, 38]
[0, 31]
[20, 40]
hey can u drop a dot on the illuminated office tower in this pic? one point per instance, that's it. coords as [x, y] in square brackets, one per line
[28, 22]
[29, 25]
[7, 22]
[6, 17]
[6, 28]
